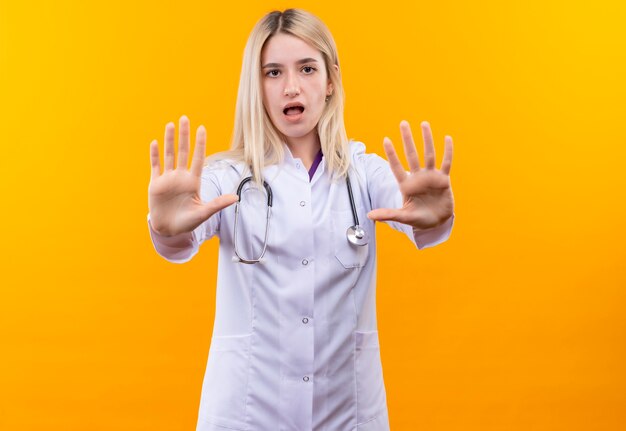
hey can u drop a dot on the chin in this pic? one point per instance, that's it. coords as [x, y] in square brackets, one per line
[298, 131]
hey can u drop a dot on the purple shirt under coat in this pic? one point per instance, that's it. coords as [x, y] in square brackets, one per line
[315, 164]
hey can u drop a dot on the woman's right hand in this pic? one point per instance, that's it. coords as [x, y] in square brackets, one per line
[174, 195]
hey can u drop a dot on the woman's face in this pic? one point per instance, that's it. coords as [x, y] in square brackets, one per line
[294, 73]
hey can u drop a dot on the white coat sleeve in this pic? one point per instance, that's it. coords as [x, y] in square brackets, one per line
[385, 193]
[182, 247]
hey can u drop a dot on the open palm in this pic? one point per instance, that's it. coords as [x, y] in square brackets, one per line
[174, 195]
[426, 192]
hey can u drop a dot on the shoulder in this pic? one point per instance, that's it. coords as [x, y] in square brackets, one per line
[221, 167]
[222, 173]
[361, 158]
[357, 148]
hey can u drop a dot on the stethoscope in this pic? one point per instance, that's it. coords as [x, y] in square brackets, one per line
[355, 234]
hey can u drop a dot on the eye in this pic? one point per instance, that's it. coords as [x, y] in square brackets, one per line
[308, 69]
[271, 73]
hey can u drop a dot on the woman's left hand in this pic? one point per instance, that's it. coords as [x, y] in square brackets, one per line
[426, 192]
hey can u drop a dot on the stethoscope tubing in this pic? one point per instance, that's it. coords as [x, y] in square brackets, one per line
[270, 199]
[355, 234]
[355, 217]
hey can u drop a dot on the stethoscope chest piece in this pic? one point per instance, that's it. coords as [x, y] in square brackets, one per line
[357, 235]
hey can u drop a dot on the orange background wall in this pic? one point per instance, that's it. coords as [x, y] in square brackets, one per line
[516, 323]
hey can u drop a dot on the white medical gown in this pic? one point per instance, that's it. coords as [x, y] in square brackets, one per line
[295, 342]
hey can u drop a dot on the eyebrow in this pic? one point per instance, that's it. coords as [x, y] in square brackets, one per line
[304, 60]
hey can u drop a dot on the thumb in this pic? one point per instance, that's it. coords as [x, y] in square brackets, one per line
[218, 204]
[385, 214]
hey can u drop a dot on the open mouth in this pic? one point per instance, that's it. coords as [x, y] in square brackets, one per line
[293, 110]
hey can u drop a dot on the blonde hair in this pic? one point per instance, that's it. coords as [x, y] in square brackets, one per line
[255, 141]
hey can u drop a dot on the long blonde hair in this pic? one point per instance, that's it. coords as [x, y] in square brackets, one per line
[255, 140]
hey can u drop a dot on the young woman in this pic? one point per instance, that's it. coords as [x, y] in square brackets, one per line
[295, 341]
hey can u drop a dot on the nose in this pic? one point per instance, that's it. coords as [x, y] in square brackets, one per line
[292, 87]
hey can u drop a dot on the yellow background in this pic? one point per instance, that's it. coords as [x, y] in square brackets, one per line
[516, 323]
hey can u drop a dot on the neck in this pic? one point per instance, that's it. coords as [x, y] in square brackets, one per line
[305, 148]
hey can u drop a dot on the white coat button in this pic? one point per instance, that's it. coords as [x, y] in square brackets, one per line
[305, 262]
[305, 378]
[302, 203]
[298, 165]
[305, 320]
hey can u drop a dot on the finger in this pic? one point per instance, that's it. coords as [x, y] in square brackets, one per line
[429, 147]
[155, 163]
[409, 147]
[218, 204]
[199, 152]
[446, 164]
[169, 146]
[394, 162]
[386, 214]
[183, 142]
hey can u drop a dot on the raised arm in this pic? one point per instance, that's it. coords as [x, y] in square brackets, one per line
[174, 195]
[427, 200]
[176, 207]
[426, 203]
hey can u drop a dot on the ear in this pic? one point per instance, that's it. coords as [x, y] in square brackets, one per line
[329, 88]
